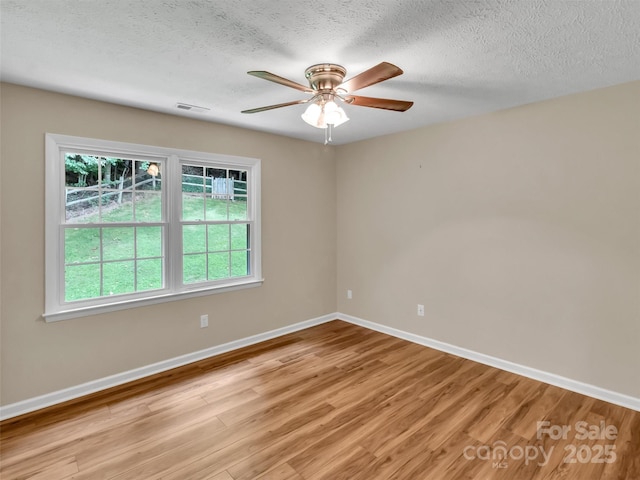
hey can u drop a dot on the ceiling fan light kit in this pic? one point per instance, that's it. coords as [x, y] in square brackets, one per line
[326, 84]
[322, 113]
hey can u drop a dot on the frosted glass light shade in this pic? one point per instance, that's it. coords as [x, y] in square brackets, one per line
[314, 116]
[334, 115]
[322, 115]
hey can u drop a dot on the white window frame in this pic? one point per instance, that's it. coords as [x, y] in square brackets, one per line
[171, 160]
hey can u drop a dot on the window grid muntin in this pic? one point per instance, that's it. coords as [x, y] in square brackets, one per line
[55, 147]
[102, 225]
[101, 261]
[135, 159]
[248, 220]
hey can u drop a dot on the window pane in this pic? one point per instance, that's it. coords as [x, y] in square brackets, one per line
[118, 277]
[214, 172]
[112, 169]
[77, 168]
[116, 205]
[81, 205]
[218, 237]
[145, 181]
[117, 243]
[218, 265]
[193, 192]
[220, 186]
[239, 237]
[239, 264]
[238, 208]
[116, 190]
[220, 191]
[193, 179]
[148, 207]
[81, 245]
[81, 281]
[148, 183]
[194, 268]
[194, 239]
[239, 181]
[217, 209]
[149, 274]
[192, 206]
[148, 242]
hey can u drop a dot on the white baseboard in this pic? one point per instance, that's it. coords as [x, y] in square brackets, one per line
[49, 399]
[568, 384]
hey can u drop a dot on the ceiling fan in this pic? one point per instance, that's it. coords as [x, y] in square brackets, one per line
[326, 84]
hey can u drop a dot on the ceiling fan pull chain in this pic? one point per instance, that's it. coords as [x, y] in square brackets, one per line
[327, 133]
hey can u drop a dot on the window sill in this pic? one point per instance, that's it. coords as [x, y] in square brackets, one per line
[140, 302]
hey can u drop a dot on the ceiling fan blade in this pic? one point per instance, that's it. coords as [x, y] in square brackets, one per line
[271, 107]
[282, 81]
[379, 73]
[384, 103]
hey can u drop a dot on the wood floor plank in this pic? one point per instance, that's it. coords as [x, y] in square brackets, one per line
[281, 472]
[287, 397]
[257, 448]
[523, 420]
[336, 401]
[579, 408]
[347, 466]
[494, 414]
[312, 439]
[220, 476]
[43, 469]
[129, 444]
[61, 468]
[626, 446]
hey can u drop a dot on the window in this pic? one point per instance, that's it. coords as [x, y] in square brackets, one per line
[130, 225]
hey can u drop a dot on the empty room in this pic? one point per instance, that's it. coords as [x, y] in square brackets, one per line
[362, 240]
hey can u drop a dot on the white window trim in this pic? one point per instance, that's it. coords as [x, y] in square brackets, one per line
[56, 145]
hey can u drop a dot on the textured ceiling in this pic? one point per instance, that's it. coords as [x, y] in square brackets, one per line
[460, 58]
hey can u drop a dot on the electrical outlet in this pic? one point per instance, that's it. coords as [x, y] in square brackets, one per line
[420, 310]
[349, 294]
[204, 321]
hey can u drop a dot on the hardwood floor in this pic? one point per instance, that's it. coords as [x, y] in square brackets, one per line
[334, 402]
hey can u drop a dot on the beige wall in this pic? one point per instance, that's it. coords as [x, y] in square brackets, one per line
[299, 246]
[519, 231]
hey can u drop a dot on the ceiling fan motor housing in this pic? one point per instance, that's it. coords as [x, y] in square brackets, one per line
[325, 77]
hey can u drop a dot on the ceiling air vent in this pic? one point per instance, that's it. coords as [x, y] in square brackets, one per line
[191, 108]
